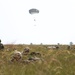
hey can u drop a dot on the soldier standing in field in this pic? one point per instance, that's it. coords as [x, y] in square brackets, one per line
[1, 46]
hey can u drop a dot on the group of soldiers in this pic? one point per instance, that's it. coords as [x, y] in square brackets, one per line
[17, 55]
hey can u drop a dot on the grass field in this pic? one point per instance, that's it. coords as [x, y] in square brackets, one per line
[54, 62]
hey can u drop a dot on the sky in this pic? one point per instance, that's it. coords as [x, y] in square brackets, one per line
[54, 24]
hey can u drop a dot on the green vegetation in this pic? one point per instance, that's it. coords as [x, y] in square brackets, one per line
[54, 62]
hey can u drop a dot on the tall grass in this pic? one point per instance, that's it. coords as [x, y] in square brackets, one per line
[55, 62]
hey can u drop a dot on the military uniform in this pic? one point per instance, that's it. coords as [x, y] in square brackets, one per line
[1, 45]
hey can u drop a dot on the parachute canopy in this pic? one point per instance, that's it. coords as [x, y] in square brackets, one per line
[33, 11]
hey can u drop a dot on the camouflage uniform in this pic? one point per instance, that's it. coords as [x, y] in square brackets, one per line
[1, 45]
[16, 56]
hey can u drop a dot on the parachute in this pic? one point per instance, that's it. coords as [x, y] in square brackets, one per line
[33, 11]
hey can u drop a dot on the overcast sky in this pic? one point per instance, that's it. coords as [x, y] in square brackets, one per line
[54, 24]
